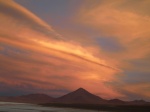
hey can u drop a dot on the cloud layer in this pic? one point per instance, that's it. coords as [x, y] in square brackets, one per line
[105, 49]
[34, 58]
[124, 34]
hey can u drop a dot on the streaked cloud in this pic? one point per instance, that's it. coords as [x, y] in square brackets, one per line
[105, 49]
[36, 58]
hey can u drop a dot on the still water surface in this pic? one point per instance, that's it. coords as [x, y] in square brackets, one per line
[22, 107]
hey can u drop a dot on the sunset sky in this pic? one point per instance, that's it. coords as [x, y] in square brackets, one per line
[57, 46]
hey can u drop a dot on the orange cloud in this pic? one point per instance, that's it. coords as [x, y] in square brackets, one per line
[128, 22]
[32, 53]
[130, 27]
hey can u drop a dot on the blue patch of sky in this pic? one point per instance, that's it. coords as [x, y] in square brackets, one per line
[109, 44]
[9, 50]
[143, 62]
[51, 11]
[58, 14]
[135, 77]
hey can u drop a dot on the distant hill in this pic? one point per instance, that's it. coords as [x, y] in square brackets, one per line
[80, 96]
[30, 98]
[116, 101]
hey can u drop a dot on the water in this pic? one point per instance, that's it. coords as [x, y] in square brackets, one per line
[22, 107]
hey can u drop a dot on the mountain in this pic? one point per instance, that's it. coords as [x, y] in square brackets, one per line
[30, 98]
[80, 96]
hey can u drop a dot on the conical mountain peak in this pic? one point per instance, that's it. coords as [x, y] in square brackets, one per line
[81, 89]
[80, 96]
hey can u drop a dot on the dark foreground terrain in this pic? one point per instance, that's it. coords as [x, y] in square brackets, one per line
[25, 107]
[113, 108]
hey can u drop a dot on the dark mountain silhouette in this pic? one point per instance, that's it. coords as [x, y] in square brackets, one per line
[30, 98]
[80, 96]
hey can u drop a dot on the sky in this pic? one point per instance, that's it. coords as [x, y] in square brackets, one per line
[57, 46]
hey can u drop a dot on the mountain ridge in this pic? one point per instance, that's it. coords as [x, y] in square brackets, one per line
[79, 96]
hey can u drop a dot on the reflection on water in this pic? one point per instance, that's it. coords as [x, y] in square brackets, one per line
[22, 107]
